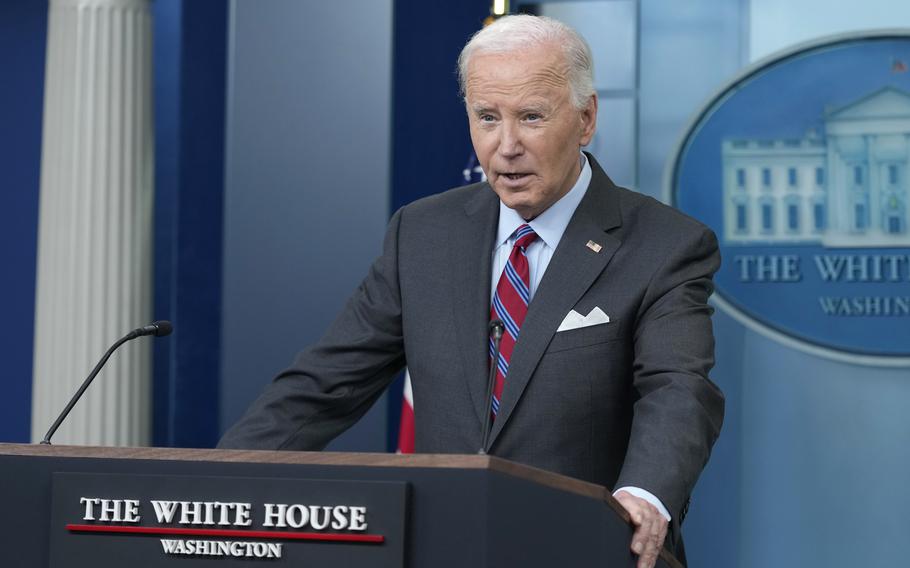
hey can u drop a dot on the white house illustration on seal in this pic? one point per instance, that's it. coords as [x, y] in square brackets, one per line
[846, 186]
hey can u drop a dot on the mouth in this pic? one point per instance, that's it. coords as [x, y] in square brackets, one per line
[514, 176]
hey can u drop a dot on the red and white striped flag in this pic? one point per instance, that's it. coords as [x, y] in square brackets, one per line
[406, 428]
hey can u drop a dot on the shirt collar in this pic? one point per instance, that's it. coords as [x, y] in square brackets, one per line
[552, 223]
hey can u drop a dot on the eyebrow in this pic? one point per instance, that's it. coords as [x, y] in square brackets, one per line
[541, 108]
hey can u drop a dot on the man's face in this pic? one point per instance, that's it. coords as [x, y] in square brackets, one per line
[526, 132]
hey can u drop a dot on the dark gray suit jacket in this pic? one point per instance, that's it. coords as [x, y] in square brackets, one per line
[623, 403]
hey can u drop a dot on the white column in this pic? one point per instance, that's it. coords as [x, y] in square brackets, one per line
[95, 231]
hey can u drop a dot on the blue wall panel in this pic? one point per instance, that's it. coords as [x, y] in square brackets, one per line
[23, 37]
[431, 142]
[190, 76]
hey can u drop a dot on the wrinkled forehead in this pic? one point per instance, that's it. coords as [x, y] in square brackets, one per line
[541, 70]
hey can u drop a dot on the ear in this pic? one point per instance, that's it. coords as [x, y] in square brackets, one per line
[588, 117]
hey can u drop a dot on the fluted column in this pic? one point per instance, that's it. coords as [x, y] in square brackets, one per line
[95, 240]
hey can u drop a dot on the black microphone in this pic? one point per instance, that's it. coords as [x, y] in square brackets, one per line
[496, 329]
[156, 328]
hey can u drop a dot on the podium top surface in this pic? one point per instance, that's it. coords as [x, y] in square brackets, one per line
[445, 461]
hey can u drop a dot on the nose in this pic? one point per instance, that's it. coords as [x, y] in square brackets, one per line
[510, 140]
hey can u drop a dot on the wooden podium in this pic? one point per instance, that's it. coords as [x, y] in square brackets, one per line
[60, 508]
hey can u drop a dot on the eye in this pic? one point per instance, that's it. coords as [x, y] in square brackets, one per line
[486, 118]
[533, 117]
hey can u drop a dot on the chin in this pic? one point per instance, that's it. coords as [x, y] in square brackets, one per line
[511, 202]
[525, 210]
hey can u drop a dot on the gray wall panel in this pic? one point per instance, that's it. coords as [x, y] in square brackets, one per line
[688, 50]
[307, 169]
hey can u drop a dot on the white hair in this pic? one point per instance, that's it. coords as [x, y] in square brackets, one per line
[522, 31]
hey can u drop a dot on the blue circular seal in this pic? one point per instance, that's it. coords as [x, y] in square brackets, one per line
[801, 165]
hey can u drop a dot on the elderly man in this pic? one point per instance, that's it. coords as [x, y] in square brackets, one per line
[603, 294]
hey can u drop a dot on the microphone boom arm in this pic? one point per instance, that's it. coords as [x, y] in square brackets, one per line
[157, 328]
[496, 329]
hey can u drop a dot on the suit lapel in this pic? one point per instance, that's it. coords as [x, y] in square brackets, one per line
[572, 269]
[470, 255]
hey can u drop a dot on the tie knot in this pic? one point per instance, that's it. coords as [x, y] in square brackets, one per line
[524, 236]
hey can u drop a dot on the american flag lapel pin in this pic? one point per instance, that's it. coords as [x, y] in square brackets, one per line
[593, 246]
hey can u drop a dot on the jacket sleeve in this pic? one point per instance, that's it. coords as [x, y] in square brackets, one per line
[678, 411]
[335, 381]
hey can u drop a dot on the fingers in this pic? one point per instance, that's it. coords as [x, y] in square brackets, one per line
[650, 540]
[650, 528]
[649, 536]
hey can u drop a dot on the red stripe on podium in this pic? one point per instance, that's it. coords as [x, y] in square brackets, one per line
[332, 537]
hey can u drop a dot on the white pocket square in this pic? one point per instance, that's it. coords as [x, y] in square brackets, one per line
[575, 320]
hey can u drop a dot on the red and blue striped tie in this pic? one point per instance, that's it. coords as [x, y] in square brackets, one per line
[510, 304]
